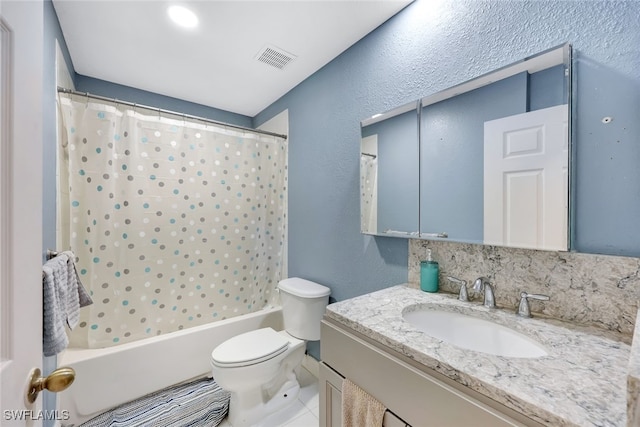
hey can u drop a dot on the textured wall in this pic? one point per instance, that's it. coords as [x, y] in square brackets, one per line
[430, 46]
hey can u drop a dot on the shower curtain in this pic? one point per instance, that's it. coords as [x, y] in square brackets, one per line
[368, 193]
[174, 222]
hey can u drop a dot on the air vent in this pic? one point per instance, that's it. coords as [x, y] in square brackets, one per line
[275, 57]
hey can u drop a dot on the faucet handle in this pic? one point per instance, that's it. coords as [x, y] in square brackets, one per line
[523, 307]
[463, 295]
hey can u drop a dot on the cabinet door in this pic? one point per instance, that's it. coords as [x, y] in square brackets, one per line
[330, 397]
[331, 401]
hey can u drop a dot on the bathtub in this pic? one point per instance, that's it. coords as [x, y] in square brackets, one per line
[108, 377]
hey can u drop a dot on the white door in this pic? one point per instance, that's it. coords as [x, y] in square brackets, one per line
[21, 77]
[526, 161]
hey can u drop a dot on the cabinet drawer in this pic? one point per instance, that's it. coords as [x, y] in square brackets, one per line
[421, 399]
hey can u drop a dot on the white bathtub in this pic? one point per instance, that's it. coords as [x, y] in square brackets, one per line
[109, 377]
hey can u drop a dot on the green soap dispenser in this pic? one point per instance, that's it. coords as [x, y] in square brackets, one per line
[429, 270]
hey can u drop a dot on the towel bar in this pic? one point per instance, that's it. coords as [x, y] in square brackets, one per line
[51, 254]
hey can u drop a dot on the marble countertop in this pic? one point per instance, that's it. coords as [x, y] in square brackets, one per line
[581, 382]
[633, 380]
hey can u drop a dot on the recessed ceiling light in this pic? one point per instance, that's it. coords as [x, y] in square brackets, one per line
[183, 16]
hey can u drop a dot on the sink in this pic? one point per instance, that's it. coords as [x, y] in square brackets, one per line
[473, 333]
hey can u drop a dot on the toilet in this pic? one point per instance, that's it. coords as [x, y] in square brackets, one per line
[257, 367]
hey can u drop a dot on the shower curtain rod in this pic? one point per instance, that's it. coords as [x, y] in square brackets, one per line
[163, 111]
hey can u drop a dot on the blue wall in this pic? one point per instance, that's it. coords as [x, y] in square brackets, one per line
[452, 156]
[430, 46]
[547, 88]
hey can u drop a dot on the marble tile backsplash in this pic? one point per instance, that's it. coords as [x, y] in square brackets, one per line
[589, 289]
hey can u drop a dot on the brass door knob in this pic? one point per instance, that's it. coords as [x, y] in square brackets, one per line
[57, 380]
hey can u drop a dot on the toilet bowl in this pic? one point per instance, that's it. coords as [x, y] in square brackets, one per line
[257, 367]
[261, 379]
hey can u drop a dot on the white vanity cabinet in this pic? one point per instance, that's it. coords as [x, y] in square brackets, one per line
[414, 394]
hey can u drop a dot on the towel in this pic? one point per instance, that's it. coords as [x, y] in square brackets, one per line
[359, 408]
[63, 295]
[83, 297]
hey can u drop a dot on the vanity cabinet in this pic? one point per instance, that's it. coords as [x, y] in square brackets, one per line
[414, 394]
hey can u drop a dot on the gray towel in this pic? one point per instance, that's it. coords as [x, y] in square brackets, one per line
[63, 295]
[83, 296]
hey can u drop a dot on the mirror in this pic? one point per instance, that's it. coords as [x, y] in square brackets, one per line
[494, 156]
[389, 173]
[493, 162]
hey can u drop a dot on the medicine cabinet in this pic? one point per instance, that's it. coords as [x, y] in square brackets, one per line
[486, 161]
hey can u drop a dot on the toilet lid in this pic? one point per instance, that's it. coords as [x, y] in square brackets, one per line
[249, 348]
[303, 288]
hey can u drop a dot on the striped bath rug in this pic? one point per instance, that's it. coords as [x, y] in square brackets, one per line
[200, 403]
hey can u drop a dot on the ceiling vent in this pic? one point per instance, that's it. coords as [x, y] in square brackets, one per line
[275, 57]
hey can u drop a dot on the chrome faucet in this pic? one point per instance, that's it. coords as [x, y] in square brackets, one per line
[482, 285]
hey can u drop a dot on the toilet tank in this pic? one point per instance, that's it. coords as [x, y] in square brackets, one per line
[303, 305]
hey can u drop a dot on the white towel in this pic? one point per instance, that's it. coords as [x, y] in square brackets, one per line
[63, 295]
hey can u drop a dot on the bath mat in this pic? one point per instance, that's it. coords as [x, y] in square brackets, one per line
[200, 403]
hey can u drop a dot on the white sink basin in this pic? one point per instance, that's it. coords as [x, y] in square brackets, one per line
[474, 334]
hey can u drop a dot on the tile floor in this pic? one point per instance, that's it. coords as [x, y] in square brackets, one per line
[302, 413]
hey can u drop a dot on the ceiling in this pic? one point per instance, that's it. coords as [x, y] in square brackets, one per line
[134, 43]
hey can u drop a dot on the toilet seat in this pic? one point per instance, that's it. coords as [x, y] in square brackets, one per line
[249, 348]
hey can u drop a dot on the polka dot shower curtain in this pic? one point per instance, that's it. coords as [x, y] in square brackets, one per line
[368, 193]
[174, 223]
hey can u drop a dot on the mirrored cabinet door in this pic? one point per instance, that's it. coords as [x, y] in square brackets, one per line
[389, 173]
[494, 157]
[451, 157]
[486, 161]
